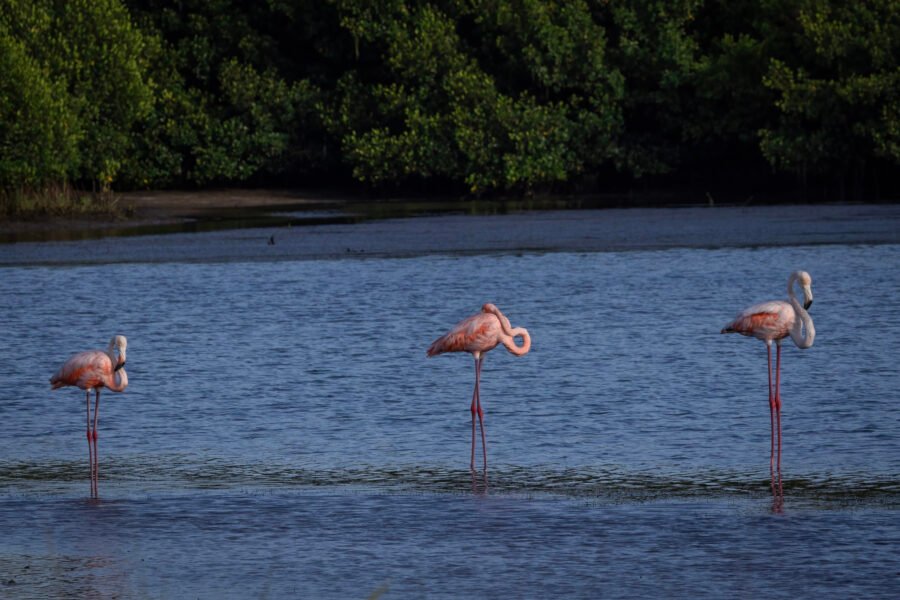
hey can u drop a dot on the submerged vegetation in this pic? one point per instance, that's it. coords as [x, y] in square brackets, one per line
[471, 96]
[58, 201]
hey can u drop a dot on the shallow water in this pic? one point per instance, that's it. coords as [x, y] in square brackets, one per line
[284, 435]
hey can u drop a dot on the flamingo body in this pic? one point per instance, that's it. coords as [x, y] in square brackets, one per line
[477, 335]
[767, 321]
[86, 370]
[93, 370]
[772, 322]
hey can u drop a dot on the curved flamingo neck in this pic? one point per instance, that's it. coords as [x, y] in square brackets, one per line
[510, 333]
[113, 356]
[790, 287]
[117, 381]
[504, 322]
[510, 342]
[803, 332]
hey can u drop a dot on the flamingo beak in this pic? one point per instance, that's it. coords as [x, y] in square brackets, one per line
[807, 297]
[119, 366]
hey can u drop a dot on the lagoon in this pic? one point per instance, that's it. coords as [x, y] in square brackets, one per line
[283, 434]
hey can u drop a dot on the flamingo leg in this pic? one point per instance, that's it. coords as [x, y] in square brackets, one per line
[771, 412]
[778, 405]
[87, 399]
[474, 410]
[480, 411]
[95, 436]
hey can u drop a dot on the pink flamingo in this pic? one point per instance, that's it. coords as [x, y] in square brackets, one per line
[774, 321]
[92, 370]
[479, 334]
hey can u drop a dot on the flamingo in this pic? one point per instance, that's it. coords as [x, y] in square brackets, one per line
[772, 322]
[92, 370]
[477, 335]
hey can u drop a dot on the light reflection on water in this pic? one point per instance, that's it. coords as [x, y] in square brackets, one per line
[283, 433]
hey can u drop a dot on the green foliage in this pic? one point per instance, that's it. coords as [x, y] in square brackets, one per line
[839, 95]
[473, 95]
[222, 111]
[654, 48]
[91, 50]
[38, 142]
[256, 137]
[534, 106]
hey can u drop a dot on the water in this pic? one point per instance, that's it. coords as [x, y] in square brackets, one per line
[283, 434]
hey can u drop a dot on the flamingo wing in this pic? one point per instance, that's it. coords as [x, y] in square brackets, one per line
[477, 333]
[767, 320]
[85, 370]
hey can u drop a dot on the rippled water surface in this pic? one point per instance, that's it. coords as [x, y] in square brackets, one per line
[283, 434]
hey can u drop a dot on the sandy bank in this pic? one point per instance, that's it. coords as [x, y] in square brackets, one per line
[147, 209]
[324, 234]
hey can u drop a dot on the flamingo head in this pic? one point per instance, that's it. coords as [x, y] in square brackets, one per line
[805, 281]
[489, 308]
[116, 350]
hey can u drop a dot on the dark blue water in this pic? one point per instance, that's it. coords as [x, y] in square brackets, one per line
[283, 434]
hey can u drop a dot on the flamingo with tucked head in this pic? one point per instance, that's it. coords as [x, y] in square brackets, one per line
[772, 322]
[92, 370]
[477, 335]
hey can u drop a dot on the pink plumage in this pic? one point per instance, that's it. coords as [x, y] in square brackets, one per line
[477, 335]
[772, 322]
[92, 370]
[86, 370]
[765, 321]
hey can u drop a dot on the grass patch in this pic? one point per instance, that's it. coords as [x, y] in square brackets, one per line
[21, 204]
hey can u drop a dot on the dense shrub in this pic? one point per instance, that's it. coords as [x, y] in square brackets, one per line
[471, 95]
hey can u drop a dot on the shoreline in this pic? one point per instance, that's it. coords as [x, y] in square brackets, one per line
[152, 212]
[363, 231]
[160, 208]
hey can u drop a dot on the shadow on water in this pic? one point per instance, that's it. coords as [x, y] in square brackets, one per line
[306, 214]
[608, 484]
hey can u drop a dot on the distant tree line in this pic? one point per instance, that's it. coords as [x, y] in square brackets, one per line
[474, 96]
